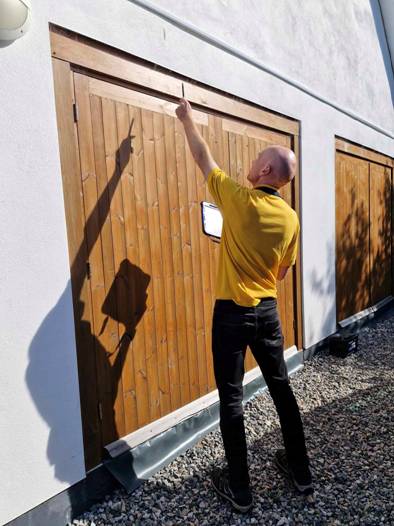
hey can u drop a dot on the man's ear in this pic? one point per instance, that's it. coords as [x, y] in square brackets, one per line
[265, 170]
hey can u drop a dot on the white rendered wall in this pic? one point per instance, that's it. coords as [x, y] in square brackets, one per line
[331, 46]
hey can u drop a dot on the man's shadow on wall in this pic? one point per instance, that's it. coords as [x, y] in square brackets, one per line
[51, 375]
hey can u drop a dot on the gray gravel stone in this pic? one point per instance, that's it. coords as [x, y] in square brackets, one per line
[347, 408]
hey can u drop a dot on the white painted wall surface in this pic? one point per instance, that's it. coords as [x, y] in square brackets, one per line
[331, 46]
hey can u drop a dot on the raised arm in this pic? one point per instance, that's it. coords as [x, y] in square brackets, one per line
[197, 145]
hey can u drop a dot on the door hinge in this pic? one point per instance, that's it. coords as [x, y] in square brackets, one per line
[75, 112]
[88, 271]
[100, 411]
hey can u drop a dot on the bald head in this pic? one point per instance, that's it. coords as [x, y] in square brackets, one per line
[276, 165]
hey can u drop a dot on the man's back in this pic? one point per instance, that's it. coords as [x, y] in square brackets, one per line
[260, 233]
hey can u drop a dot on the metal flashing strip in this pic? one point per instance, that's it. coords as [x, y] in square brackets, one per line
[136, 464]
[220, 44]
[365, 314]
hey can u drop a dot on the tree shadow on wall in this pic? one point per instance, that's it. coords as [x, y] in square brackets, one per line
[352, 260]
[51, 375]
[361, 280]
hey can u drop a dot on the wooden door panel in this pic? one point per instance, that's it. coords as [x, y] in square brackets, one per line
[380, 233]
[152, 271]
[363, 233]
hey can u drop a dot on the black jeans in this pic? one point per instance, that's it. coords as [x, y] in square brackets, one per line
[234, 328]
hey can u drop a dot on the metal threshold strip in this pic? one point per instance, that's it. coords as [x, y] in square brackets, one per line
[131, 463]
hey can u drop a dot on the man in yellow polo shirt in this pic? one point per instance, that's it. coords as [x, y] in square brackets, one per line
[258, 245]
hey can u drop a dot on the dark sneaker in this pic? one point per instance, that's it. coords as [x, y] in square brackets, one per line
[241, 499]
[301, 478]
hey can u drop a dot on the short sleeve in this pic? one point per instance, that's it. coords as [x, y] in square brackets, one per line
[221, 187]
[291, 253]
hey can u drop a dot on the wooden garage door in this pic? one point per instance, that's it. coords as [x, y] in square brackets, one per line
[143, 274]
[363, 233]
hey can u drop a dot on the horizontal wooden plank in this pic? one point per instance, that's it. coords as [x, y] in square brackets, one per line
[86, 55]
[225, 104]
[254, 132]
[139, 99]
[81, 52]
[359, 151]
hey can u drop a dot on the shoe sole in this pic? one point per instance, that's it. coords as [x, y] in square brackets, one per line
[238, 507]
[304, 490]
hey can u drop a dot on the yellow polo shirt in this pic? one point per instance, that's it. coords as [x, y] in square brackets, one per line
[260, 233]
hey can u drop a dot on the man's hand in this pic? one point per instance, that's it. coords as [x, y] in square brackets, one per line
[184, 110]
[198, 146]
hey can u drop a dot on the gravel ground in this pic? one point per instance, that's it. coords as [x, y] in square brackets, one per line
[347, 406]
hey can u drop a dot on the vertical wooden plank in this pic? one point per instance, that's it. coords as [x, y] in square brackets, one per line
[177, 259]
[122, 215]
[137, 237]
[194, 219]
[163, 190]
[246, 160]
[187, 259]
[239, 155]
[74, 207]
[156, 261]
[207, 293]
[232, 145]
[151, 359]
[226, 156]
[114, 252]
[218, 139]
[362, 234]
[212, 259]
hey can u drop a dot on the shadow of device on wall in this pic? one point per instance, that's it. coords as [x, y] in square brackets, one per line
[50, 375]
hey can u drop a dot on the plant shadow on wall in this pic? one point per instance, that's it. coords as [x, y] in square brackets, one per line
[51, 376]
[363, 259]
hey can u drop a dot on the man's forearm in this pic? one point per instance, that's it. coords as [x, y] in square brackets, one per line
[197, 145]
[199, 148]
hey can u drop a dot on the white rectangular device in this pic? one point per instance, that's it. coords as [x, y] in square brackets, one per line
[212, 220]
